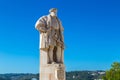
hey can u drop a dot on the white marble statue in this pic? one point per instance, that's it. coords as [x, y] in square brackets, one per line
[51, 36]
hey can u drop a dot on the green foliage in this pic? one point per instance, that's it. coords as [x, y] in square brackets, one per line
[113, 73]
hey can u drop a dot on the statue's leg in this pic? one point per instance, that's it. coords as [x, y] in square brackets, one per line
[59, 54]
[62, 55]
[50, 54]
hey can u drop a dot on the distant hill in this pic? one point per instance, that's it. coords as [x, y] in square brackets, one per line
[73, 75]
[85, 75]
[18, 76]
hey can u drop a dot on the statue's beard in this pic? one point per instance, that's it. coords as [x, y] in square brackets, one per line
[53, 14]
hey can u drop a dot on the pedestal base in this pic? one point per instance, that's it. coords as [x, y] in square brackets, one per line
[52, 72]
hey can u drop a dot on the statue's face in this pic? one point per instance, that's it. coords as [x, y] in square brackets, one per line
[53, 14]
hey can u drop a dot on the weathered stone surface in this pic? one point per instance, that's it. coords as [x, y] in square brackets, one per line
[52, 72]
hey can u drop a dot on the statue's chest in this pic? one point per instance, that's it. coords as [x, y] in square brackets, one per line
[55, 23]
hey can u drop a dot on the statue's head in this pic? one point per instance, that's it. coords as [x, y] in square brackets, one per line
[53, 12]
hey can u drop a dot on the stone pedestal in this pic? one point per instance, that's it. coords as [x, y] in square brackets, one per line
[54, 71]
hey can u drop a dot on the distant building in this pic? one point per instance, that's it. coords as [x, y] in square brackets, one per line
[101, 73]
[93, 74]
[98, 79]
[73, 76]
[33, 79]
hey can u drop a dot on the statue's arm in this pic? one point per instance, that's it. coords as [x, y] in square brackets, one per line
[40, 24]
[61, 26]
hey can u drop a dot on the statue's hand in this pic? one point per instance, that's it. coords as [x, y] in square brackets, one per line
[50, 29]
[43, 25]
[60, 43]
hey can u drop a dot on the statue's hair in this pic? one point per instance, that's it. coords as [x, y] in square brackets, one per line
[53, 10]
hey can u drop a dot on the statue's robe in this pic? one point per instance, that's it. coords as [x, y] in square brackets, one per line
[49, 37]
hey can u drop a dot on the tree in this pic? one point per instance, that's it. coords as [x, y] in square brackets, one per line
[113, 73]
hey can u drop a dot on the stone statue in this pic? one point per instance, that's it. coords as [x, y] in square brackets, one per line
[51, 47]
[51, 36]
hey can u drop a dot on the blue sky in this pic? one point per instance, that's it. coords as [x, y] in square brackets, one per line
[92, 33]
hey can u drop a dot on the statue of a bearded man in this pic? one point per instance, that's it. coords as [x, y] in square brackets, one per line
[51, 36]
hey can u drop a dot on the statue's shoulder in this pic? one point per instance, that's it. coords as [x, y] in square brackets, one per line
[43, 17]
